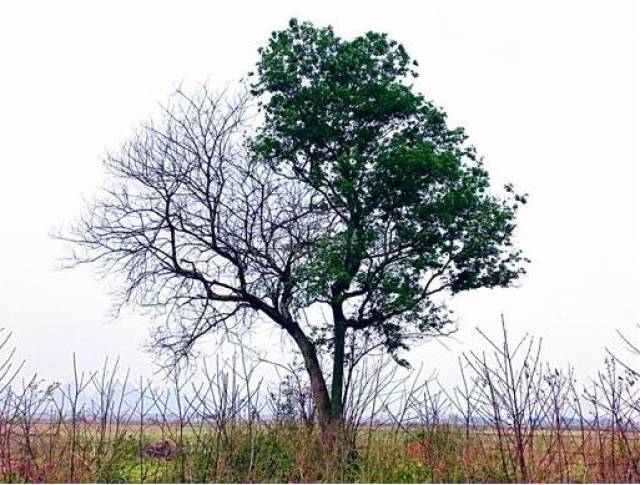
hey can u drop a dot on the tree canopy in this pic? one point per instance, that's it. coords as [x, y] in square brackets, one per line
[407, 201]
[352, 195]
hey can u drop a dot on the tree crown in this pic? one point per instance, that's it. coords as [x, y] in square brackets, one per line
[406, 199]
[353, 194]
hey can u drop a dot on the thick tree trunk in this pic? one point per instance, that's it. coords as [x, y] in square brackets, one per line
[316, 378]
[329, 406]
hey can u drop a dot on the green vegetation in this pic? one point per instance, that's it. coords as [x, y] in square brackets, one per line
[351, 199]
[289, 454]
[516, 420]
[341, 218]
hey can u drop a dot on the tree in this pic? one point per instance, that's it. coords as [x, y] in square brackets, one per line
[352, 195]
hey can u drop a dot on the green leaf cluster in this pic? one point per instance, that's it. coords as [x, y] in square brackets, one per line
[407, 202]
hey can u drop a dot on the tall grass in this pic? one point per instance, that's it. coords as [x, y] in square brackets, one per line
[512, 418]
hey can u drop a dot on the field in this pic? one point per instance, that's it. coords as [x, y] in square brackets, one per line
[512, 419]
[284, 452]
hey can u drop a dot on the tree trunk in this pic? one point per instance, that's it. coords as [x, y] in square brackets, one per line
[329, 407]
[334, 436]
[337, 381]
[316, 378]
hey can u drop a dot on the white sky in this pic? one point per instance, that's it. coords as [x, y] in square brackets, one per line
[546, 90]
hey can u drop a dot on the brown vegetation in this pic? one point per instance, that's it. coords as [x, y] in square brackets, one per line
[511, 419]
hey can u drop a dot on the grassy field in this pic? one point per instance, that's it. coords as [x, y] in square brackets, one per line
[512, 418]
[285, 452]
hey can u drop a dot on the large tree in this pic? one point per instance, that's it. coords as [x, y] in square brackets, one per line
[352, 196]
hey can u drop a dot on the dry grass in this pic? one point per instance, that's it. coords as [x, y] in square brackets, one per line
[512, 419]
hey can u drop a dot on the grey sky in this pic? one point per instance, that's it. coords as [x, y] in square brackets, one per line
[546, 90]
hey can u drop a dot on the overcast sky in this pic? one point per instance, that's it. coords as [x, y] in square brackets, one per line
[546, 90]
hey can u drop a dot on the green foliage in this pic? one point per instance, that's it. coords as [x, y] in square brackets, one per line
[405, 200]
[266, 454]
[411, 470]
[120, 462]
